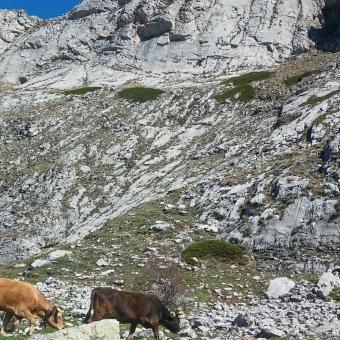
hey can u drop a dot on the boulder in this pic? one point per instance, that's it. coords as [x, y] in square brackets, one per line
[39, 263]
[160, 226]
[58, 254]
[268, 332]
[242, 320]
[327, 282]
[103, 330]
[279, 287]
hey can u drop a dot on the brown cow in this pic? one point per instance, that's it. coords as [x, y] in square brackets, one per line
[133, 308]
[21, 300]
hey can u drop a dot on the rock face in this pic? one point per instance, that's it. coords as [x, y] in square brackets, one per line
[158, 36]
[103, 330]
[14, 24]
[71, 163]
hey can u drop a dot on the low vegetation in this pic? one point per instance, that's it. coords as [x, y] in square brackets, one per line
[293, 80]
[335, 294]
[242, 93]
[166, 281]
[140, 94]
[248, 78]
[314, 100]
[81, 90]
[212, 249]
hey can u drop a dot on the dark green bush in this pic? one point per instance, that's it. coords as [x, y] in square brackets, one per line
[291, 81]
[81, 90]
[212, 249]
[248, 78]
[244, 92]
[140, 94]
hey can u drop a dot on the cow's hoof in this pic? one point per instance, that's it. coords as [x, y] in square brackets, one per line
[2, 332]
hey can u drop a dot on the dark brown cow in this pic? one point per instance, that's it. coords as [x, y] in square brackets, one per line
[133, 308]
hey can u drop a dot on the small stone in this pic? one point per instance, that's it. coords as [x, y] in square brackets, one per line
[102, 263]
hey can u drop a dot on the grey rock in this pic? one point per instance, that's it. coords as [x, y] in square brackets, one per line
[104, 330]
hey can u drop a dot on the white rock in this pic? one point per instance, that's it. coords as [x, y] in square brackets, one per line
[327, 283]
[279, 287]
[160, 226]
[104, 330]
[102, 263]
[39, 263]
[59, 253]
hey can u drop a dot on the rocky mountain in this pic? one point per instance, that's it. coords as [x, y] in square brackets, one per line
[132, 130]
[107, 41]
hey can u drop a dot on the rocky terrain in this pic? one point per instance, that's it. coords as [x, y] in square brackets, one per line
[131, 129]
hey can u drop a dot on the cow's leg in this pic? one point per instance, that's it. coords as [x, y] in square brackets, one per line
[155, 331]
[13, 325]
[132, 330]
[30, 317]
[7, 319]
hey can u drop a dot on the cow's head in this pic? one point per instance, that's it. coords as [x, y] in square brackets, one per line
[54, 318]
[172, 322]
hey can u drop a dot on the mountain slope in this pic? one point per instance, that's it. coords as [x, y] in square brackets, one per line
[264, 171]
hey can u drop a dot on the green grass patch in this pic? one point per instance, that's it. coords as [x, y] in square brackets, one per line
[140, 94]
[291, 81]
[335, 294]
[81, 90]
[248, 78]
[212, 249]
[314, 100]
[242, 93]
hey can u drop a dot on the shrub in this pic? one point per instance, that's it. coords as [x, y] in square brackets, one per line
[81, 90]
[212, 249]
[248, 78]
[291, 81]
[242, 93]
[140, 94]
[166, 282]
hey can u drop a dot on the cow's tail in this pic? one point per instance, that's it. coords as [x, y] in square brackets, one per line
[89, 313]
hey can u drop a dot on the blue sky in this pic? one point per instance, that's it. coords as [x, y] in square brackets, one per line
[41, 8]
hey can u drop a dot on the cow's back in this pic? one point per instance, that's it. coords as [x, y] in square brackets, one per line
[14, 292]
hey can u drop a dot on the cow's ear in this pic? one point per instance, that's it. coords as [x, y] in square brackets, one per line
[172, 315]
